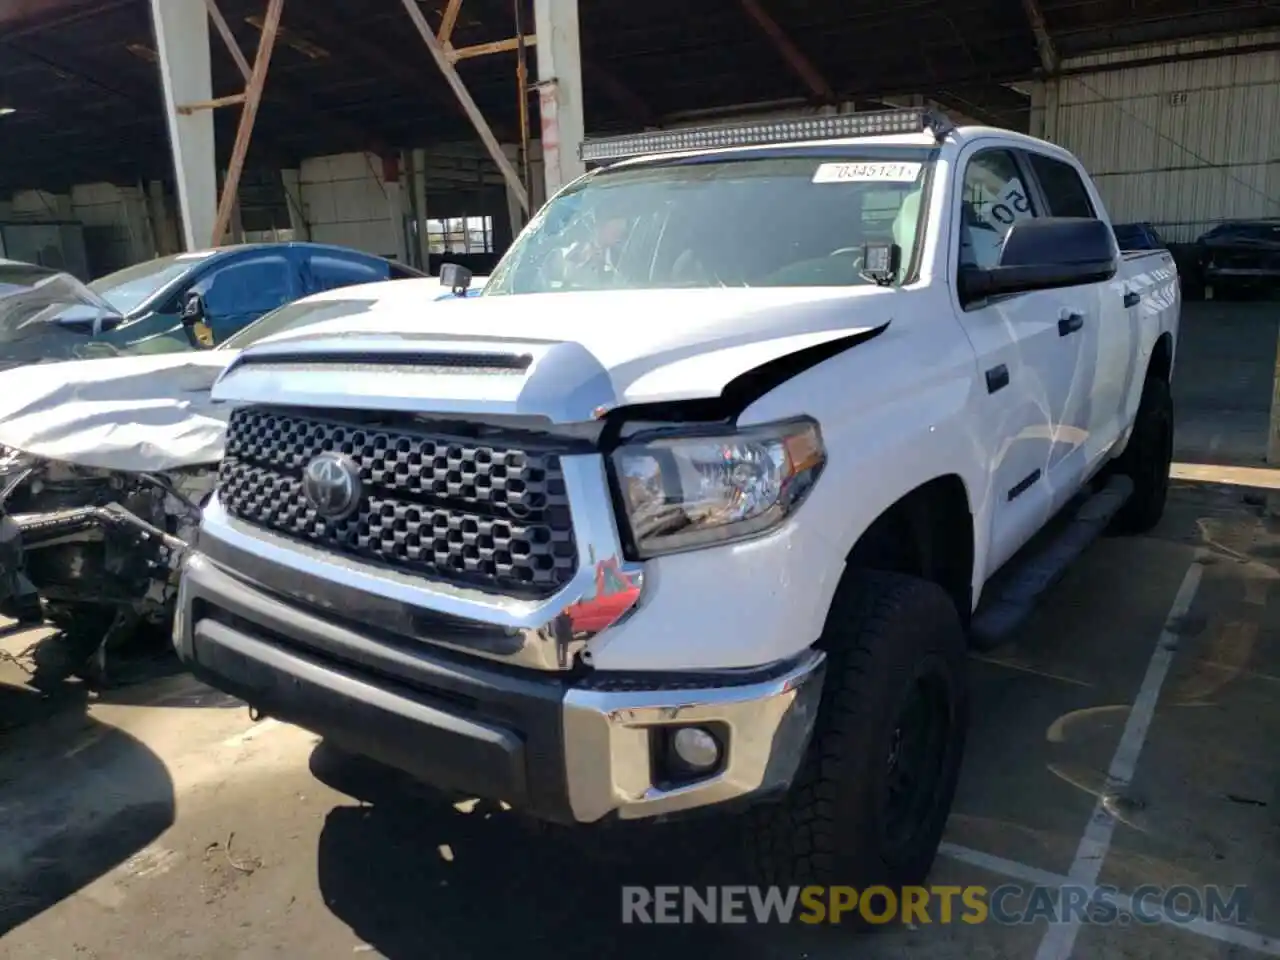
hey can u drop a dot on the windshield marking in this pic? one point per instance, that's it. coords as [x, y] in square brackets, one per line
[866, 172]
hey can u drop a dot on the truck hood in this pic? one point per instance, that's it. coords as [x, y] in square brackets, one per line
[558, 356]
[150, 413]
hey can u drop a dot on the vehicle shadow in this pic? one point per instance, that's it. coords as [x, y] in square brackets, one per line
[77, 799]
[144, 672]
[411, 868]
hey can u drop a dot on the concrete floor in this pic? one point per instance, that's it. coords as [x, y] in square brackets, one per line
[158, 821]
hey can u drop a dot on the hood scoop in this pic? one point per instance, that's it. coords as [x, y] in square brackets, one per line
[426, 362]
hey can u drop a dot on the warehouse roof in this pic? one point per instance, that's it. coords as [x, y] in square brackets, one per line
[80, 76]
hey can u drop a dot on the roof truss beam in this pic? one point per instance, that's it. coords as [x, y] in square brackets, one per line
[1044, 42]
[800, 64]
[280, 94]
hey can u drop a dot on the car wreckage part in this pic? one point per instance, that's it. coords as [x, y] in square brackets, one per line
[94, 553]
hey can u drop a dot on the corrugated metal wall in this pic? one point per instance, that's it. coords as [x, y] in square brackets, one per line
[1182, 145]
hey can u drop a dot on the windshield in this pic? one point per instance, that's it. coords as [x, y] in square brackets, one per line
[292, 316]
[757, 221]
[30, 302]
[128, 289]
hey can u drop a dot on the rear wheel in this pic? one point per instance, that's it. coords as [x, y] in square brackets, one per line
[875, 788]
[1147, 459]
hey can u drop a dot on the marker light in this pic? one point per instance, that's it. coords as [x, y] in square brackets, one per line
[842, 126]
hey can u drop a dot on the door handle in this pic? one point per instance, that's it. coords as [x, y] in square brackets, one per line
[997, 378]
[1132, 298]
[1070, 322]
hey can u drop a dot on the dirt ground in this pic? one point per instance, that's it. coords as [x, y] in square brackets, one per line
[1126, 738]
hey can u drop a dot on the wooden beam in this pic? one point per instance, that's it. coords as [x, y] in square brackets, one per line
[227, 101]
[485, 49]
[801, 65]
[244, 133]
[228, 38]
[376, 57]
[449, 21]
[438, 54]
[1044, 42]
[282, 95]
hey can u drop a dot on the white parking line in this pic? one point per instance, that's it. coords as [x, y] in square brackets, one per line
[1060, 939]
[1221, 932]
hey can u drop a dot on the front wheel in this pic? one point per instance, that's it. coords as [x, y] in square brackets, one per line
[875, 788]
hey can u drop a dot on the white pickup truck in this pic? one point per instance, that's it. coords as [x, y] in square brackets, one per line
[753, 432]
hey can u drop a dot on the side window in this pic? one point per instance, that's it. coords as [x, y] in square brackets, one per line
[994, 197]
[248, 286]
[329, 273]
[1063, 189]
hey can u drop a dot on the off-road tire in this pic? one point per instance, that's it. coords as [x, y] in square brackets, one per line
[885, 635]
[1147, 459]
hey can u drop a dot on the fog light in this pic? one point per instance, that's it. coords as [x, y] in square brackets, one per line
[696, 748]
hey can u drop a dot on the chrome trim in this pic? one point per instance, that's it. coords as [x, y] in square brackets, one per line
[543, 627]
[608, 755]
[182, 609]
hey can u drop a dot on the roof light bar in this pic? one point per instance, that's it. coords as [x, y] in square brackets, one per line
[761, 132]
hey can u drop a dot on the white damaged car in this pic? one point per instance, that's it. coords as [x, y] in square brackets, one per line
[105, 464]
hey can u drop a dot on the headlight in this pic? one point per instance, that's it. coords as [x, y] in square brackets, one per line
[681, 492]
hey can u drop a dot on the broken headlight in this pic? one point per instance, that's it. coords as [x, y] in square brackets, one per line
[688, 491]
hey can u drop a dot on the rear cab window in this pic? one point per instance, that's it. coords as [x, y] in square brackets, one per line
[1063, 187]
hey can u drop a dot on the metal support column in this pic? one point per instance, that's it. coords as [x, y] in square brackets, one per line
[291, 181]
[559, 90]
[182, 42]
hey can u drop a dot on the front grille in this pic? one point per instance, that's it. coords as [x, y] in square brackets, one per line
[444, 507]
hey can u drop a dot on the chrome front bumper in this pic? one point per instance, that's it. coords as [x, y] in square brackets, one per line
[568, 748]
[609, 744]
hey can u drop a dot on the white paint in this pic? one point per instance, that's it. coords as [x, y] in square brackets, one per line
[1091, 854]
[1212, 930]
[866, 172]
[897, 411]
[182, 41]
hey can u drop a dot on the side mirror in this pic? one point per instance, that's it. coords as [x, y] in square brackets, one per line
[456, 277]
[195, 323]
[1045, 254]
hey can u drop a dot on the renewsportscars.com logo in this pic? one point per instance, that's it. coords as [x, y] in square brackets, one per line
[1008, 904]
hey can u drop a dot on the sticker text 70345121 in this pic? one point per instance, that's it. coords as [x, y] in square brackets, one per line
[867, 172]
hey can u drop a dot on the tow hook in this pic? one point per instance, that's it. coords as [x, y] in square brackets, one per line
[256, 715]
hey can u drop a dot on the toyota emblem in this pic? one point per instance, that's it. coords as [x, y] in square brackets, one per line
[331, 484]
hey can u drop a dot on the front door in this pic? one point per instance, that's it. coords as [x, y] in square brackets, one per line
[239, 292]
[1023, 356]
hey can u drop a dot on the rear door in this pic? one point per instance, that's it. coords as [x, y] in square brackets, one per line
[1101, 352]
[1022, 353]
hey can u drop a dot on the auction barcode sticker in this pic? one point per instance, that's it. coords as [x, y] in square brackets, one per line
[866, 172]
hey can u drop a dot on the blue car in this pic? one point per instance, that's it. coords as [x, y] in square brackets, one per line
[237, 285]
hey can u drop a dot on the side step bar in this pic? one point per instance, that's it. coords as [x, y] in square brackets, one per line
[1025, 579]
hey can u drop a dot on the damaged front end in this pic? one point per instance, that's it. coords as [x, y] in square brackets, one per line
[94, 552]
